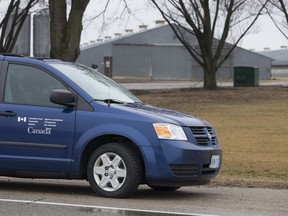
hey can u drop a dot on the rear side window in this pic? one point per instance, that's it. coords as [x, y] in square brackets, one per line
[30, 86]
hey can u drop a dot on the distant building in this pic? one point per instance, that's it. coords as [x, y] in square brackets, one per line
[279, 61]
[22, 45]
[41, 34]
[156, 54]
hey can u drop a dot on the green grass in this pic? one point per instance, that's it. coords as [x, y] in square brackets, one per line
[251, 124]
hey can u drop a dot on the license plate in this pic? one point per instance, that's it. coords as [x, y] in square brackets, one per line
[215, 162]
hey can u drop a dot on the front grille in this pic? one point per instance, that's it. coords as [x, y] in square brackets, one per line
[192, 170]
[185, 170]
[206, 170]
[204, 135]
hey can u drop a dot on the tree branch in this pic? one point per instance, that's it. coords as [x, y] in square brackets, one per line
[12, 23]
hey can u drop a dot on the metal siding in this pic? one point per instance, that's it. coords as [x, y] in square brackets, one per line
[247, 58]
[132, 61]
[22, 45]
[41, 41]
[279, 71]
[95, 55]
[171, 63]
[225, 72]
[197, 72]
[158, 54]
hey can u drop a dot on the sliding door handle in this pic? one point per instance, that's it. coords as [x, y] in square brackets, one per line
[7, 113]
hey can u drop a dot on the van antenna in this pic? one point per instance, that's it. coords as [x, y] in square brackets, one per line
[109, 95]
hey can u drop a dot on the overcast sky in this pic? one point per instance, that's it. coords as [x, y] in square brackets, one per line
[264, 34]
[267, 36]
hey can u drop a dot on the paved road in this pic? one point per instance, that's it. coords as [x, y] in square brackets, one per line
[60, 197]
[155, 85]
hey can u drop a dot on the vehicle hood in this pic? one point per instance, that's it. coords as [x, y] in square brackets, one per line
[161, 115]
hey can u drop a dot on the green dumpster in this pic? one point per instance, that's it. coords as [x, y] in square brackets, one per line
[246, 76]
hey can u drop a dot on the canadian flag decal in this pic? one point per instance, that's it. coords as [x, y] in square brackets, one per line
[22, 119]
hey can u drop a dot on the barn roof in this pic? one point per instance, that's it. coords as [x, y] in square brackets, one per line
[121, 37]
[279, 57]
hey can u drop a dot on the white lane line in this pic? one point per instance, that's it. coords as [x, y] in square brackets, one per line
[101, 207]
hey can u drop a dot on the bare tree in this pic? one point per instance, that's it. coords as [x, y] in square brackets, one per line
[109, 13]
[278, 12]
[12, 23]
[65, 33]
[210, 23]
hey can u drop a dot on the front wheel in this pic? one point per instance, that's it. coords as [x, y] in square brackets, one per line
[114, 170]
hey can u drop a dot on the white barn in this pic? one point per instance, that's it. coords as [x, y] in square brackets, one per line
[157, 54]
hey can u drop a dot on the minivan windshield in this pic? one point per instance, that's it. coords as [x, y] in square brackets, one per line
[98, 86]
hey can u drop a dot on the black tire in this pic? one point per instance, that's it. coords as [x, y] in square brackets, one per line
[164, 188]
[114, 170]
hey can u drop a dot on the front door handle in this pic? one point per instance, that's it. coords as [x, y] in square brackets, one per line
[7, 113]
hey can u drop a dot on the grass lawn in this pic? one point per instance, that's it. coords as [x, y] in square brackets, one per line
[251, 124]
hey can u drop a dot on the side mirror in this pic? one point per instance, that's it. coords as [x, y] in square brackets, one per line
[63, 97]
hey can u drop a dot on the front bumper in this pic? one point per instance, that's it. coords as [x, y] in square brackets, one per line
[180, 163]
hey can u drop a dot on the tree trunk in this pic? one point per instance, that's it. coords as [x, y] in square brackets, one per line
[204, 20]
[57, 12]
[66, 34]
[210, 81]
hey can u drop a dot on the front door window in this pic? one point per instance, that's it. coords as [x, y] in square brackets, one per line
[29, 86]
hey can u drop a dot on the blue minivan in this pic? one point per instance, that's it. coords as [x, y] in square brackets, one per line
[64, 120]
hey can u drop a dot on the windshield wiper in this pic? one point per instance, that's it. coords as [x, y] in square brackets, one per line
[114, 101]
[109, 101]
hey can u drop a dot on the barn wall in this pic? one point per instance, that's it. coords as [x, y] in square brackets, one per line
[151, 62]
[157, 54]
[132, 61]
[95, 55]
[242, 57]
[171, 63]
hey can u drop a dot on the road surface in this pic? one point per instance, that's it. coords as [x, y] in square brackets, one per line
[63, 197]
[159, 85]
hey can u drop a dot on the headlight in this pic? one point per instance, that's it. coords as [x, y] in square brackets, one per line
[169, 131]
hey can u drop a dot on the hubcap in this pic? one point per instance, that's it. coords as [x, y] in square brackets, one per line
[110, 171]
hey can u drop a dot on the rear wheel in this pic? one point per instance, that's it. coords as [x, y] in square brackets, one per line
[114, 170]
